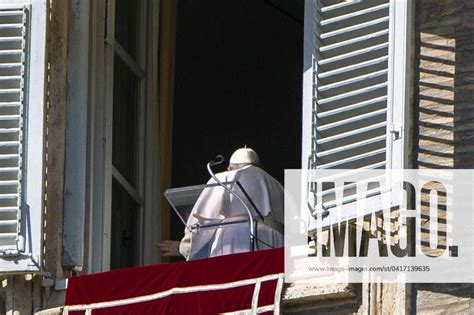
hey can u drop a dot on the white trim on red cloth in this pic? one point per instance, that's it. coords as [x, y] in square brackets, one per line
[192, 289]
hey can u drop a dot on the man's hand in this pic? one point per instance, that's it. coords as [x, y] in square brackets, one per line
[169, 248]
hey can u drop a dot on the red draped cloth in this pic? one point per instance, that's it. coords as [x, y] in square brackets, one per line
[208, 286]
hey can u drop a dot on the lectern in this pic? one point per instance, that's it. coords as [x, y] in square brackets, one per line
[218, 215]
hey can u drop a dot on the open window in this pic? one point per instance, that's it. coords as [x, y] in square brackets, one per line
[238, 82]
[125, 206]
[111, 164]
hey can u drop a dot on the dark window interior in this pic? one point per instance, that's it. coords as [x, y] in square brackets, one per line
[125, 238]
[238, 82]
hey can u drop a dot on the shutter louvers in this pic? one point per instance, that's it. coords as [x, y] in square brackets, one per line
[354, 98]
[351, 52]
[12, 56]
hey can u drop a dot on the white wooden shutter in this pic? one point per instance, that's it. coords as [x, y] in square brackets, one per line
[351, 115]
[22, 96]
[12, 82]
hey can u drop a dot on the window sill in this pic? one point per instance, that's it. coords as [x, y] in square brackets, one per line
[301, 294]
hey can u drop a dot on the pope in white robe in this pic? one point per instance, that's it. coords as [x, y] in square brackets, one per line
[216, 205]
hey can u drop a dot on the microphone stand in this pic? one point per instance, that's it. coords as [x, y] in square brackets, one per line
[219, 160]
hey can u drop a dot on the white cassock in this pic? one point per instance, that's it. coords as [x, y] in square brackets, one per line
[217, 205]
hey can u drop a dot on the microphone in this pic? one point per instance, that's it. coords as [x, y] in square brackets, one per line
[219, 159]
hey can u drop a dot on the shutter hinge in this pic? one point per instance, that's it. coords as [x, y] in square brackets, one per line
[21, 243]
[396, 132]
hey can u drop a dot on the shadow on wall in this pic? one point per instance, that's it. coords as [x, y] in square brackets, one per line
[445, 56]
[445, 120]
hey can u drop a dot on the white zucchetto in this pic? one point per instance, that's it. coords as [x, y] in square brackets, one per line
[244, 156]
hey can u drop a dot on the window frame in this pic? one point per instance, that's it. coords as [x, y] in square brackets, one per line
[114, 50]
[101, 171]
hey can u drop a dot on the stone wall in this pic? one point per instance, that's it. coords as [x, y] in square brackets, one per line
[445, 87]
[444, 117]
